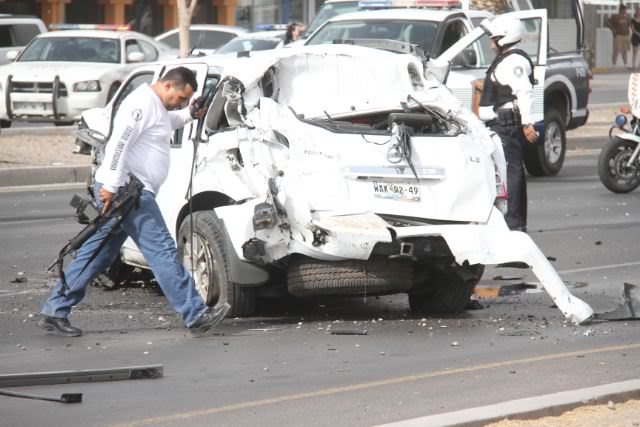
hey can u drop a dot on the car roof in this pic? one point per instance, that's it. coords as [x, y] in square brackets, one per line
[438, 15]
[271, 34]
[104, 34]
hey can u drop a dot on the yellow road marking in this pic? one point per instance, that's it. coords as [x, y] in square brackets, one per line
[372, 384]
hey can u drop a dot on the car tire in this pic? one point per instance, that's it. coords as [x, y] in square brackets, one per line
[446, 291]
[547, 159]
[211, 264]
[5, 124]
[308, 276]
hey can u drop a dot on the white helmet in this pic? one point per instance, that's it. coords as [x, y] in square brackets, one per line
[508, 28]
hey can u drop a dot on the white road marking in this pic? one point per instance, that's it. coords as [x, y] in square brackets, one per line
[600, 267]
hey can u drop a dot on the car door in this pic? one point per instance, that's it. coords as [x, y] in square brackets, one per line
[478, 55]
[171, 193]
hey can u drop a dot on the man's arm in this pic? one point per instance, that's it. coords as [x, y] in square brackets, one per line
[181, 117]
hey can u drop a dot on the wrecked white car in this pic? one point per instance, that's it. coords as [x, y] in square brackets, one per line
[335, 170]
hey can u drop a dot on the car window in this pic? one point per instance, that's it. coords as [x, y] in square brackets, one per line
[6, 39]
[150, 52]
[73, 49]
[530, 43]
[24, 33]
[420, 33]
[453, 32]
[215, 39]
[328, 11]
[173, 40]
[131, 85]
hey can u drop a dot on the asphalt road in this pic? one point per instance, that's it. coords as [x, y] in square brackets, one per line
[284, 367]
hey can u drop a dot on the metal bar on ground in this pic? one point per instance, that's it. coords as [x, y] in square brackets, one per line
[82, 376]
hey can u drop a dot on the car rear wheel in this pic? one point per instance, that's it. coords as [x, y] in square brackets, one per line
[210, 265]
[446, 291]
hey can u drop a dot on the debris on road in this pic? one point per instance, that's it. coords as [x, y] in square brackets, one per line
[20, 277]
[334, 332]
[629, 307]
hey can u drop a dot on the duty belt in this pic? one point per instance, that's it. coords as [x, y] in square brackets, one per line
[507, 117]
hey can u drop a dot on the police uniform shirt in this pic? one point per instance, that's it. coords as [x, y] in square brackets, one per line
[140, 141]
[514, 71]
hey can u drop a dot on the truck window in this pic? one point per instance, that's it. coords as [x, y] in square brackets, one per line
[24, 33]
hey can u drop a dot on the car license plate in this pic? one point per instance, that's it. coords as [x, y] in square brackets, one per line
[31, 107]
[396, 191]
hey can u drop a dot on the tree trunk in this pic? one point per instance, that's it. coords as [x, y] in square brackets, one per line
[185, 12]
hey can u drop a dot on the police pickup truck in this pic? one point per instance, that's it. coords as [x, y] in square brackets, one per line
[562, 74]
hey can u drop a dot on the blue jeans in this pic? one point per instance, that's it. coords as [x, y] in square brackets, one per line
[146, 227]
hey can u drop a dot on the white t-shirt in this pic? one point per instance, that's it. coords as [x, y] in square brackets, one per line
[513, 71]
[140, 141]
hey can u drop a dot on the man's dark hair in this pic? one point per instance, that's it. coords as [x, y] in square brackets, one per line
[181, 76]
[622, 8]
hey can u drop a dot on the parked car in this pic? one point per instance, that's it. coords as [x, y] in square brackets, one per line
[563, 76]
[329, 9]
[310, 183]
[204, 38]
[251, 42]
[62, 73]
[16, 32]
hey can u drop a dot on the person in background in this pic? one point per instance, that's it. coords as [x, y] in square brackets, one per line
[294, 31]
[635, 36]
[620, 25]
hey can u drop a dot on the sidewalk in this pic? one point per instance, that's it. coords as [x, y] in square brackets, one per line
[615, 404]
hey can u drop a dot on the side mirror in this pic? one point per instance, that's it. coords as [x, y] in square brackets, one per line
[467, 58]
[135, 57]
[12, 55]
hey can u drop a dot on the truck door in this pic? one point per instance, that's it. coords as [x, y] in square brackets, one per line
[472, 55]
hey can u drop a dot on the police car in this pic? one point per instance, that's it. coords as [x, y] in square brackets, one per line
[563, 86]
[62, 73]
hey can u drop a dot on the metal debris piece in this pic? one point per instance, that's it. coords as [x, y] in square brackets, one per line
[629, 307]
[265, 329]
[334, 332]
[64, 397]
[89, 375]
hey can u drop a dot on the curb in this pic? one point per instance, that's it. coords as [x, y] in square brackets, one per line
[44, 175]
[529, 408]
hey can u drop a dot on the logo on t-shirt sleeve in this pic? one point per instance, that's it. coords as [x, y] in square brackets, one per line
[137, 114]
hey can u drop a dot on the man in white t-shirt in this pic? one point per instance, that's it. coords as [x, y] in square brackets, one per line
[139, 145]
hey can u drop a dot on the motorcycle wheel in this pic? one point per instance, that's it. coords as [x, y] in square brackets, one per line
[613, 170]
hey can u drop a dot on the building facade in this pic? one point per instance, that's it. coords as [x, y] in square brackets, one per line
[155, 16]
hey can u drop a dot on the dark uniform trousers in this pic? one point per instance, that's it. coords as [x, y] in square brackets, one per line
[512, 143]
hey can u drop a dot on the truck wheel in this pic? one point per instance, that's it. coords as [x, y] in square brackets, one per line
[308, 276]
[547, 159]
[446, 291]
[211, 264]
[5, 123]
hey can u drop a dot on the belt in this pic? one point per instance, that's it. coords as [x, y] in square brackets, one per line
[507, 117]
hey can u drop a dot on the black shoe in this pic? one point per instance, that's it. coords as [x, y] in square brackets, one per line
[209, 319]
[58, 325]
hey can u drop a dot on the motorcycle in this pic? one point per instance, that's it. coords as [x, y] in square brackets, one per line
[619, 161]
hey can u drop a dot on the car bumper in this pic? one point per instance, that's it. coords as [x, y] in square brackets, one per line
[47, 107]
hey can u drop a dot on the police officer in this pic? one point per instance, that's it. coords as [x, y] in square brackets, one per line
[506, 105]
